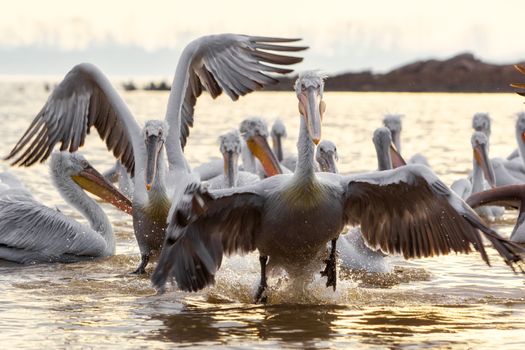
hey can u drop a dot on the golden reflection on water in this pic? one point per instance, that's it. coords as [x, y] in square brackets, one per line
[447, 302]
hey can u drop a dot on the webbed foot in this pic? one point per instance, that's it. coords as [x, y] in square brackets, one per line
[260, 296]
[142, 267]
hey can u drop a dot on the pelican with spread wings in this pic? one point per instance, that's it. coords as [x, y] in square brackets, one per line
[235, 64]
[290, 218]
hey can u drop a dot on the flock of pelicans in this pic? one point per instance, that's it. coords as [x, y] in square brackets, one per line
[292, 209]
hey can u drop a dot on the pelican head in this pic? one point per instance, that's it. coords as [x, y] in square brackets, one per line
[393, 123]
[479, 141]
[76, 167]
[309, 89]
[481, 122]
[326, 156]
[278, 132]
[154, 134]
[387, 155]
[255, 133]
[230, 146]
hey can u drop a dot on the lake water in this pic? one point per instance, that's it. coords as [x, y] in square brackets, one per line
[447, 302]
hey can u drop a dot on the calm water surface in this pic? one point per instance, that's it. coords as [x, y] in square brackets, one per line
[447, 302]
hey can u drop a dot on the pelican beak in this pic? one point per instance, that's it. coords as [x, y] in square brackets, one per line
[277, 147]
[396, 140]
[328, 164]
[261, 149]
[312, 107]
[397, 159]
[92, 181]
[153, 147]
[482, 158]
[230, 167]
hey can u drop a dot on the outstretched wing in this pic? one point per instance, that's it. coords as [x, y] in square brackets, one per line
[235, 64]
[32, 232]
[83, 99]
[410, 211]
[192, 253]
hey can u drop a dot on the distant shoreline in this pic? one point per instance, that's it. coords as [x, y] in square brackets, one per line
[462, 73]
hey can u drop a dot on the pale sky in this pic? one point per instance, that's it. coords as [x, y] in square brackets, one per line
[48, 37]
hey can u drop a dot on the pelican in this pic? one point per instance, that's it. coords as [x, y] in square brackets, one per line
[481, 122]
[509, 172]
[255, 134]
[393, 123]
[34, 233]
[512, 196]
[482, 176]
[278, 133]
[326, 156]
[230, 147]
[290, 218]
[235, 64]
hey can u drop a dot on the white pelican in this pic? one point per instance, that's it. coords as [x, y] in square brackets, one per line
[289, 219]
[326, 156]
[481, 122]
[483, 176]
[34, 233]
[512, 196]
[231, 63]
[230, 147]
[393, 123]
[510, 172]
[255, 134]
[278, 133]
[256, 155]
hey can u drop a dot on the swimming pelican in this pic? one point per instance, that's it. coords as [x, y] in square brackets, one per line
[34, 233]
[326, 156]
[512, 196]
[510, 172]
[289, 219]
[278, 133]
[230, 147]
[255, 134]
[483, 176]
[393, 123]
[481, 122]
[235, 64]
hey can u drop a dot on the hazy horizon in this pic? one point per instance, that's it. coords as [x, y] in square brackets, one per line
[146, 40]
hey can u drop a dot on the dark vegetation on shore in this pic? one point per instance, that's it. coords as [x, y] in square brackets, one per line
[461, 73]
